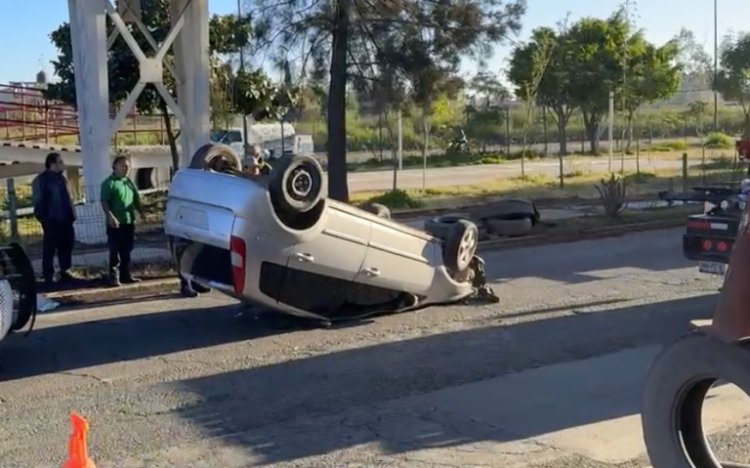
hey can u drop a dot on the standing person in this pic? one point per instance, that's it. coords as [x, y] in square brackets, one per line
[120, 200]
[54, 210]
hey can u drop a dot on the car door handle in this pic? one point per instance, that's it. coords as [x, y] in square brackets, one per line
[305, 257]
[372, 272]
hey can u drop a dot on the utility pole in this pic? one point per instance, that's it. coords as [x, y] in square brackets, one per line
[611, 126]
[716, 65]
[242, 67]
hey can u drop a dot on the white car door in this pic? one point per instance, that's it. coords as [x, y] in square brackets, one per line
[399, 258]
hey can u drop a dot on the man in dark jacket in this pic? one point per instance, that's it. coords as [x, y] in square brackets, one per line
[54, 210]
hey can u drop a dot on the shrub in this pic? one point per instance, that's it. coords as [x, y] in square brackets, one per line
[717, 140]
[612, 195]
[395, 199]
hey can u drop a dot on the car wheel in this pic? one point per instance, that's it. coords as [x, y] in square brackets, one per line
[296, 183]
[216, 157]
[461, 245]
[381, 211]
[441, 226]
[675, 390]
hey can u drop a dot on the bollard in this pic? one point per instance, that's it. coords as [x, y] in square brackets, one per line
[684, 172]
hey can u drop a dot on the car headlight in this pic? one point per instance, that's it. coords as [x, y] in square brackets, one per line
[742, 205]
[724, 205]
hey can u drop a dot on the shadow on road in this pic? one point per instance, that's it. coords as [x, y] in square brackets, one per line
[84, 344]
[357, 381]
[649, 251]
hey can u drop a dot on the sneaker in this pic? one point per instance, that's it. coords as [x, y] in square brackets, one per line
[188, 292]
[114, 282]
[130, 280]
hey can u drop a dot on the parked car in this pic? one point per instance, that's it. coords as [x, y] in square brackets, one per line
[277, 241]
[709, 237]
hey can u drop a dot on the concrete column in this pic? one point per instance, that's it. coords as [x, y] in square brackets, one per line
[89, 42]
[193, 69]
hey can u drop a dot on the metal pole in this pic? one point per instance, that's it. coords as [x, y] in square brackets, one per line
[400, 141]
[716, 65]
[242, 67]
[611, 124]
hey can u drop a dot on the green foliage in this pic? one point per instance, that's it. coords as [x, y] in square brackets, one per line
[718, 140]
[612, 194]
[733, 80]
[396, 199]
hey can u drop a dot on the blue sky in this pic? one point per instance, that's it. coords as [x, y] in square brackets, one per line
[25, 26]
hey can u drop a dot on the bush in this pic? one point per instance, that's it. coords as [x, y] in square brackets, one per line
[718, 140]
[612, 195]
[395, 199]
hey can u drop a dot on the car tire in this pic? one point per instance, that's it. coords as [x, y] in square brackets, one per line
[381, 211]
[296, 183]
[676, 386]
[509, 227]
[461, 245]
[441, 226]
[209, 156]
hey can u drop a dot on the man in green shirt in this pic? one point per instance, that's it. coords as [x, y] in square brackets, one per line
[120, 201]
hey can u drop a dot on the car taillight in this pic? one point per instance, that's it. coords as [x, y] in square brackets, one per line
[238, 254]
[722, 246]
[707, 244]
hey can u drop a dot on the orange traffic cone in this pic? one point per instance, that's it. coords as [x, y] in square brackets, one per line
[78, 456]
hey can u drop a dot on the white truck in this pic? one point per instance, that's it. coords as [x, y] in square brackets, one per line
[273, 138]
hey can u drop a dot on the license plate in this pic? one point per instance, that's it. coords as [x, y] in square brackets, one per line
[713, 268]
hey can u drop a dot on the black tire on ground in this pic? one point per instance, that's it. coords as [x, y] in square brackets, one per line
[676, 387]
[381, 211]
[441, 226]
[460, 246]
[509, 227]
[216, 157]
[296, 183]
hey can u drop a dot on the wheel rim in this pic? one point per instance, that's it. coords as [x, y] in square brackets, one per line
[300, 183]
[467, 247]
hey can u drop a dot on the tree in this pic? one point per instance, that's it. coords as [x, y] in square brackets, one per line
[651, 74]
[595, 66]
[733, 80]
[555, 90]
[692, 56]
[226, 34]
[369, 33]
[485, 113]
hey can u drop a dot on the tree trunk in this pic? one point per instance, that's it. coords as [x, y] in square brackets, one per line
[425, 130]
[338, 188]
[592, 132]
[171, 138]
[544, 130]
[562, 130]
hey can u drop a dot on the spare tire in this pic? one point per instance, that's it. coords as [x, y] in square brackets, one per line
[441, 226]
[460, 246]
[296, 183]
[509, 227]
[216, 157]
[508, 208]
[676, 387]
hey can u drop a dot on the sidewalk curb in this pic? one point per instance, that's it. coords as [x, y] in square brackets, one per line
[106, 294]
[164, 285]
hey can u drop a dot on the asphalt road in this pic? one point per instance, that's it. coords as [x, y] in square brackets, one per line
[204, 382]
[471, 175]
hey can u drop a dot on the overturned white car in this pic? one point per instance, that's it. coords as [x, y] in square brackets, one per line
[278, 242]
